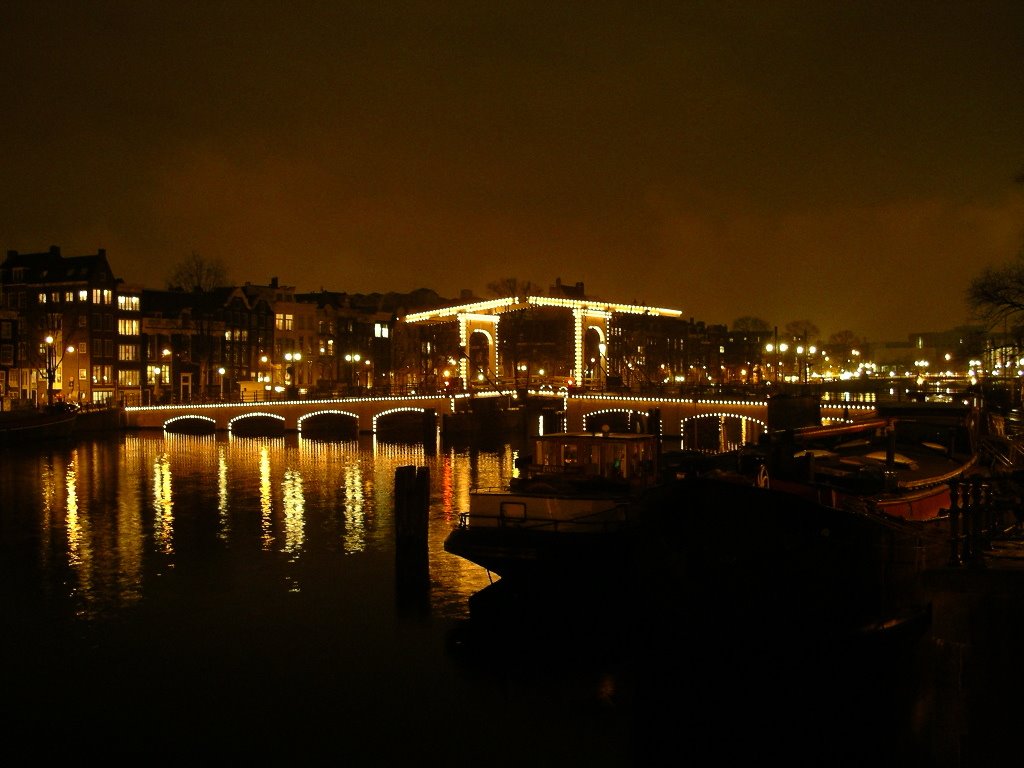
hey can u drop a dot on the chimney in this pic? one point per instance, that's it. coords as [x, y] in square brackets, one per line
[55, 250]
[273, 282]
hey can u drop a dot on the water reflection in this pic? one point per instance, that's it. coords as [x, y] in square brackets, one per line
[116, 518]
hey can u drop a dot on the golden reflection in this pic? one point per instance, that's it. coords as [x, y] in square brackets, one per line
[74, 524]
[129, 538]
[266, 499]
[105, 512]
[353, 515]
[294, 511]
[224, 532]
[163, 505]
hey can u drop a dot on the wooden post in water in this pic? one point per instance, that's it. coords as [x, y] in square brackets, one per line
[412, 512]
[412, 504]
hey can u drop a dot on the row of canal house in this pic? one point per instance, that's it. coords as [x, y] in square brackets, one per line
[70, 329]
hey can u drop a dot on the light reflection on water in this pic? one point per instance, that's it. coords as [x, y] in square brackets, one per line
[113, 517]
[232, 586]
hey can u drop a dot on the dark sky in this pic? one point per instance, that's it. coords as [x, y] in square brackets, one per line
[849, 163]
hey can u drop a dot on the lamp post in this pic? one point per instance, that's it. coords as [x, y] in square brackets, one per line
[290, 379]
[156, 370]
[51, 368]
[221, 371]
[164, 370]
[353, 360]
[74, 371]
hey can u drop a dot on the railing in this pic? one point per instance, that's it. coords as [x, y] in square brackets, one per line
[610, 519]
[977, 517]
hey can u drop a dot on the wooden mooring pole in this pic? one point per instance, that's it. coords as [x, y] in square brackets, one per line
[412, 503]
[412, 513]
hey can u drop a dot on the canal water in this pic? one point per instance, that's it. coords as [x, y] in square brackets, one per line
[197, 596]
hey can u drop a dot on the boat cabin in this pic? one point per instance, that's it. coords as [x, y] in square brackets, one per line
[615, 459]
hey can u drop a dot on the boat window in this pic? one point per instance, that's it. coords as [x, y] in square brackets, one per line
[570, 454]
[511, 512]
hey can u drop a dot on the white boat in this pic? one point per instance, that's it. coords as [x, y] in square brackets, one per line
[575, 495]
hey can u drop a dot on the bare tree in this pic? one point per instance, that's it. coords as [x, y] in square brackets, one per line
[513, 286]
[997, 294]
[749, 323]
[842, 344]
[197, 273]
[801, 329]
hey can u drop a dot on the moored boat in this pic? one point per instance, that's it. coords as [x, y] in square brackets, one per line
[565, 514]
[902, 466]
[20, 427]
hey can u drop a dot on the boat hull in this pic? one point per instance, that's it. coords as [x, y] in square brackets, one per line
[18, 429]
[713, 551]
[754, 554]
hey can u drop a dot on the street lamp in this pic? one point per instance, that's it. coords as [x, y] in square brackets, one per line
[74, 372]
[156, 371]
[221, 371]
[51, 368]
[352, 359]
[289, 371]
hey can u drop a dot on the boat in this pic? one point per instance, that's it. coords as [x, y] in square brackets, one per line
[902, 463]
[22, 426]
[565, 513]
[850, 514]
[820, 530]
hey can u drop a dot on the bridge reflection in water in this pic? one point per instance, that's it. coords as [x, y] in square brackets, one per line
[700, 423]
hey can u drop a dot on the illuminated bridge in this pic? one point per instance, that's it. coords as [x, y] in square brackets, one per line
[712, 422]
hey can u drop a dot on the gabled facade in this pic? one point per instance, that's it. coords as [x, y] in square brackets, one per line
[62, 341]
[200, 345]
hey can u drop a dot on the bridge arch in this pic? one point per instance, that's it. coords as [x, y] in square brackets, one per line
[617, 419]
[477, 334]
[332, 422]
[191, 423]
[257, 423]
[717, 432]
[403, 422]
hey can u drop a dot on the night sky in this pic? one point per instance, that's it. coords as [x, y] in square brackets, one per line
[848, 163]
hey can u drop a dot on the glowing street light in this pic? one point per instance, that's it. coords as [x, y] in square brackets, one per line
[51, 368]
[352, 359]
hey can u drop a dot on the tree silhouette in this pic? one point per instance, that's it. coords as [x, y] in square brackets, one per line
[197, 273]
[513, 286]
[804, 330]
[749, 323]
[996, 295]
